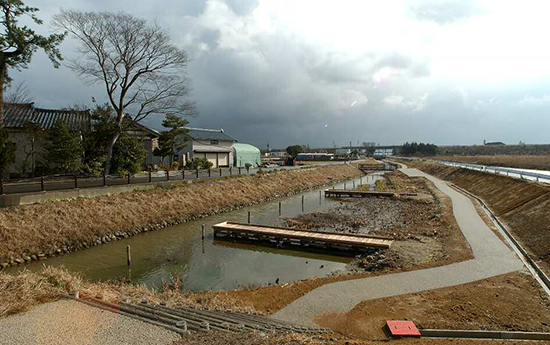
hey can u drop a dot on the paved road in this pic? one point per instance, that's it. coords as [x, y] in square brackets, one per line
[70, 322]
[491, 257]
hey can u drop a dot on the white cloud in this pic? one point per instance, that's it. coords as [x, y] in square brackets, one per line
[412, 104]
[532, 100]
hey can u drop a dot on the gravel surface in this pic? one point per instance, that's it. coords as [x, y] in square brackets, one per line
[70, 322]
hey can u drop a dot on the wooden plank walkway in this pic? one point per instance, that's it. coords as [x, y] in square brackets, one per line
[362, 193]
[305, 238]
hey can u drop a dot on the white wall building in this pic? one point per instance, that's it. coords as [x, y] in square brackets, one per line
[212, 144]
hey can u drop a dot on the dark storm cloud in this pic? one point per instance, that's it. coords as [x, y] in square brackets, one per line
[277, 86]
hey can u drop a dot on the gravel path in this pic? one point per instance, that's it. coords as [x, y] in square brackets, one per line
[491, 258]
[70, 322]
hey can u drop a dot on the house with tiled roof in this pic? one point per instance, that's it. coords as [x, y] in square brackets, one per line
[212, 144]
[26, 125]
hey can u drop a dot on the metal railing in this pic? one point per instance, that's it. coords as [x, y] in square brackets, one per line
[66, 182]
[518, 173]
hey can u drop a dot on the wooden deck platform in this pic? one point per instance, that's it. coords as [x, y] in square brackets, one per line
[362, 193]
[297, 237]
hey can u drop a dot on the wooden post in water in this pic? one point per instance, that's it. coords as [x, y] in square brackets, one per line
[209, 173]
[128, 178]
[320, 197]
[230, 171]
[202, 229]
[353, 184]
[302, 203]
[104, 180]
[248, 217]
[167, 175]
[42, 184]
[279, 208]
[150, 176]
[197, 173]
[75, 181]
[345, 185]
[128, 256]
[220, 172]
[360, 180]
[183, 174]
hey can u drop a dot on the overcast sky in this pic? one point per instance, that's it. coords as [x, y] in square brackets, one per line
[317, 72]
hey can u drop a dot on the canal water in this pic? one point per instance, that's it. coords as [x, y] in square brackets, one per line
[179, 251]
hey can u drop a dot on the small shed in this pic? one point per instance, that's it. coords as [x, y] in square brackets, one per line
[246, 153]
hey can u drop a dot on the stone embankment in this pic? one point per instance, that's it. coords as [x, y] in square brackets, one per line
[35, 232]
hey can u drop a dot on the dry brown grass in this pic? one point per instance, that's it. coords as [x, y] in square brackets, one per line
[25, 289]
[512, 161]
[31, 229]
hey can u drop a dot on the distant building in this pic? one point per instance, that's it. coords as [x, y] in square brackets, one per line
[212, 144]
[315, 156]
[382, 153]
[277, 154]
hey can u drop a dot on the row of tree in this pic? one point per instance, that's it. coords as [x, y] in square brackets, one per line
[414, 148]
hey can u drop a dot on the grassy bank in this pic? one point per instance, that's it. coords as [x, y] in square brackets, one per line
[510, 161]
[524, 206]
[33, 232]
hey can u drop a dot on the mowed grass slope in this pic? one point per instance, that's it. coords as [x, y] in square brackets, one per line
[40, 228]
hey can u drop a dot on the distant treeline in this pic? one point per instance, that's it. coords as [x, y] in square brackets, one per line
[414, 148]
[489, 150]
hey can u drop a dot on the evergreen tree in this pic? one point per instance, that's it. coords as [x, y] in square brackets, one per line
[18, 43]
[173, 139]
[128, 154]
[64, 149]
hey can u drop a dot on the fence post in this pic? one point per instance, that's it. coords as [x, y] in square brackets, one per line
[75, 181]
[167, 175]
[150, 176]
[104, 180]
[42, 184]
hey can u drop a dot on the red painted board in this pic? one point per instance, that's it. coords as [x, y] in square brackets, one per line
[402, 328]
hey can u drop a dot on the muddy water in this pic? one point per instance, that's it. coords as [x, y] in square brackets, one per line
[179, 251]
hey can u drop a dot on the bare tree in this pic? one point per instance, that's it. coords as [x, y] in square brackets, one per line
[142, 71]
[18, 93]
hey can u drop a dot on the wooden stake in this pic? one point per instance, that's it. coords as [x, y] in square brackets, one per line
[128, 256]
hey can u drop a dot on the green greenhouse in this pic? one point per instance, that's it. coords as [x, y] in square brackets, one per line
[244, 154]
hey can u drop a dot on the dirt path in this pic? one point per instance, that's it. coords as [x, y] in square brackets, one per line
[491, 258]
[70, 322]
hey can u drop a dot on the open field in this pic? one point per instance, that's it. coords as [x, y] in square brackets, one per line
[36, 231]
[490, 304]
[523, 206]
[510, 161]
